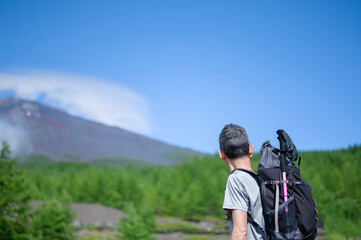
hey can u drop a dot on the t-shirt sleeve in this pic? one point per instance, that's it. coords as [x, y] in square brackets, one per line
[235, 196]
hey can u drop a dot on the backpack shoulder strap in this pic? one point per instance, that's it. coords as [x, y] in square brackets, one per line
[253, 174]
[258, 228]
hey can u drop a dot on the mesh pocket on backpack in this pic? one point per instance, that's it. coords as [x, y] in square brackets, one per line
[287, 217]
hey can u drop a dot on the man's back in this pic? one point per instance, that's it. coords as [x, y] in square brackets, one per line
[242, 193]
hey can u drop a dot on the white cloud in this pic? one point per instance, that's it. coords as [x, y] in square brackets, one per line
[16, 137]
[80, 95]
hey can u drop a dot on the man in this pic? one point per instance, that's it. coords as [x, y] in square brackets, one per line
[242, 195]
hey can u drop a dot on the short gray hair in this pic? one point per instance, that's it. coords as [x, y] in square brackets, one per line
[233, 141]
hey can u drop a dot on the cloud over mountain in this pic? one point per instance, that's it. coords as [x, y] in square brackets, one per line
[84, 96]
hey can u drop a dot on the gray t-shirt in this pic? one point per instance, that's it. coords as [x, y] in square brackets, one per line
[242, 193]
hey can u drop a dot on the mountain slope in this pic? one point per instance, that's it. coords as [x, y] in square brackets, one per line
[48, 131]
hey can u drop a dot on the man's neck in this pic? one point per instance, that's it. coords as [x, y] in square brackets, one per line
[242, 162]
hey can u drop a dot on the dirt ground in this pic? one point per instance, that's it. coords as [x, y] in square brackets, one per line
[169, 236]
[158, 236]
[182, 236]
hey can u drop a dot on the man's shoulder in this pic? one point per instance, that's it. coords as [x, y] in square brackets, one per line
[239, 174]
[242, 177]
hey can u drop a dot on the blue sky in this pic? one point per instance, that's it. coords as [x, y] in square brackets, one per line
[194, 66]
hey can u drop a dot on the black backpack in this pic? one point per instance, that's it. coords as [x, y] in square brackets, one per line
[297, 217]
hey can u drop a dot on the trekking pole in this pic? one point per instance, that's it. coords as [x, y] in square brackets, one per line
[283, 150]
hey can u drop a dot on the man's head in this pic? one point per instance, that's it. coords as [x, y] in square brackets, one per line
[234, 143]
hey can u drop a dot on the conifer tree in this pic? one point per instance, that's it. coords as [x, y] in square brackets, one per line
[53, 221]
[137, 225]
[15, 220]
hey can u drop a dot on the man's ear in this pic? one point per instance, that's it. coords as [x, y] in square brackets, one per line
[251, 150]
[221, 155]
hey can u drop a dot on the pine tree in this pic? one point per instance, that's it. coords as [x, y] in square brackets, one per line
[136, 225]
[15, 219]
[53, 221]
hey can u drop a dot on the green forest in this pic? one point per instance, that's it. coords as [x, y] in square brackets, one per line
[193, 189]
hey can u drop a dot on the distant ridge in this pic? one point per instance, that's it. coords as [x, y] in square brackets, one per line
[49, 131]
